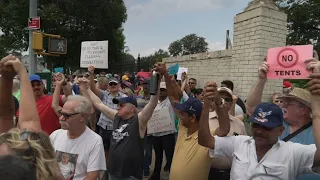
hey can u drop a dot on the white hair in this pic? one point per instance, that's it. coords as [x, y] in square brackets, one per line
[16, 83]
[85, 106]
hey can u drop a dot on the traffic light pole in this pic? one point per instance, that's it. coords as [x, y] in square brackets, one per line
[33, 8]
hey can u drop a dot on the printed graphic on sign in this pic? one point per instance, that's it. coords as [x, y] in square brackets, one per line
[94, 53]
[67, 164]
[288, 62]
[34, 23]
[160, 121]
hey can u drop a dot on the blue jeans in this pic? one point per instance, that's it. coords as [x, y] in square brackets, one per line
[147, 159]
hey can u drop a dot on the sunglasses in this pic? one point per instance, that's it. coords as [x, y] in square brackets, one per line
[258, 126]
[29, 152]
[163, 89]
[113, 84]
[66, 115]
[227, 99]
[278, 101]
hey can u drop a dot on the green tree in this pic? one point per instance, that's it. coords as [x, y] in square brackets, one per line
[147, 62]
[190, 44]
[76, 20]
[303, 21]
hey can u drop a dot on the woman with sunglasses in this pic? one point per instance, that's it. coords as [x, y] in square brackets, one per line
[28, 140]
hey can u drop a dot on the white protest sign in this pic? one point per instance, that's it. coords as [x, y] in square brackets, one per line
[94, 53]
[180, 71]
[160, 121]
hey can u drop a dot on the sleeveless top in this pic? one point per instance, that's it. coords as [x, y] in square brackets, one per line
[126, 149]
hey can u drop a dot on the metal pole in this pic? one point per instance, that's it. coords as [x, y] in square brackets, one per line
[227, 40]
[33, 8]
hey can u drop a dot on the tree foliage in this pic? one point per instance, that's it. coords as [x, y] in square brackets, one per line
[303, 21]
[76, 20]
[190, 44]
[147, 62]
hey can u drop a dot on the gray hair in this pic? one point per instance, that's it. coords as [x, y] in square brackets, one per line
[102, 80]
[16, 83]
[85, 106]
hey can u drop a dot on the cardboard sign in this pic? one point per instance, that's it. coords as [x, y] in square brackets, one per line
[180, 71]
[58, 70]
[160, 121]
[94, 53]
[173, 69]
[288, 62]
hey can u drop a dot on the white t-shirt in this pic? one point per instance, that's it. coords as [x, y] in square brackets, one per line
[86, 153]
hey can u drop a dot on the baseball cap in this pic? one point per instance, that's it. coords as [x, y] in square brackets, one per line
[286, 84]
[192, 106]
[225, 89]
[130, 99]
[301, 95]
[34, 77]
[268, 115]
[163, 85]
[114, 80]
[125, 78]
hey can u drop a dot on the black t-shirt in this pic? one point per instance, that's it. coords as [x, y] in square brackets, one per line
[126, 149]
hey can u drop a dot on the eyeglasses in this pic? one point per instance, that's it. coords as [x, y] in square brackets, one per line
[258, 126]
[113, 84]
[65, 115]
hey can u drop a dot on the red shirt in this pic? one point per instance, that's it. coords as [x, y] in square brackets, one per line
[48, 119]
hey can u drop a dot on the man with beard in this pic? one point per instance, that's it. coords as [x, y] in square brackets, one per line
[263, 154]
[48, 118]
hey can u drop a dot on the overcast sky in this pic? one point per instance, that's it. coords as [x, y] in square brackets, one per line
[154, 24]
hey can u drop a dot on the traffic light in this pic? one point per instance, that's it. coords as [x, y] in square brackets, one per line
[37, 41]
[57, 45]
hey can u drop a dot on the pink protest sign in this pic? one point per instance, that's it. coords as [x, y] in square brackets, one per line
[288, 62]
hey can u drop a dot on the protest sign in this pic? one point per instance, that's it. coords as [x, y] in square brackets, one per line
[288, 62]
[180, 71]
[160, 121]
[59, 70]
[173, 69]
[94, 53]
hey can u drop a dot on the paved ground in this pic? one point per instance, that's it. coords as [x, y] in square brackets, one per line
[164, 175]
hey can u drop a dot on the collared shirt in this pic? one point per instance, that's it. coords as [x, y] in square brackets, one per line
[190, 160]
[166, 104]
[284, 160]
[236, 128]
[106, 98]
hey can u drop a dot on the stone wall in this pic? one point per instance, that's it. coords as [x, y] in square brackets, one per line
[259, 27]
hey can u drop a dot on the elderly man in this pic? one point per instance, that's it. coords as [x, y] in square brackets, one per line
[297, 109]
[129, 129]
[79, 150]
[262, 155]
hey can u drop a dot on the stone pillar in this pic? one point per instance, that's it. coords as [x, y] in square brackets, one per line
[259, 27]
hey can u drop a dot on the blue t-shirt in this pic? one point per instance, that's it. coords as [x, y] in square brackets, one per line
[305, 137]
[76, 89]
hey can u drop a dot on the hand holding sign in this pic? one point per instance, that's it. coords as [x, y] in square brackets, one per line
[314, 63]
[263, 70]
[91, 69]
[288, 62]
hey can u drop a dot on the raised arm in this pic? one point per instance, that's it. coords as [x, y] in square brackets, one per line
[146, 113]
[92, 84]
[255, 94]
[110, 113]
[6, 101]
[67, 90]
[314, 87]
[60, 79]
[28, 118]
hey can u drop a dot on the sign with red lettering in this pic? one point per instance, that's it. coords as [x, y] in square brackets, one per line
[34, 23]
[160, 121]
[288, 62]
